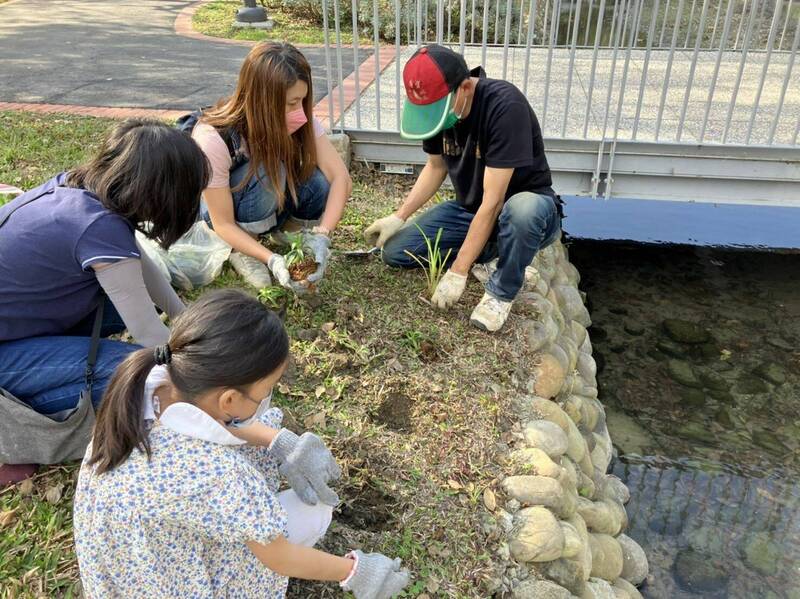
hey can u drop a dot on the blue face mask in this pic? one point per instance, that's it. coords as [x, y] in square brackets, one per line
[262, 408]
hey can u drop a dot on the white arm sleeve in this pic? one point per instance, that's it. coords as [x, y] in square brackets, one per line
[159, 288]
[123, 283]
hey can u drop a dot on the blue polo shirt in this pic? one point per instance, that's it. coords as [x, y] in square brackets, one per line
[47, 248]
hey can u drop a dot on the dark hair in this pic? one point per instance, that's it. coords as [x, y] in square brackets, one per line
[224, 339]
[257, 110]
[150, 172]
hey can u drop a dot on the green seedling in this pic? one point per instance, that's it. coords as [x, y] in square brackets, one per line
[274, 297]
[434, 264]
[296, 253]
[413, 340]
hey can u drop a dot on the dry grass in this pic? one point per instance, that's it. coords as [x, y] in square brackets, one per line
[410, 400]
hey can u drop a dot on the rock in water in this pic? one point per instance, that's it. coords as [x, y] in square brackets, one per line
[751, 385]
[539, 589]
[683, 373]
[684, 331]
[713, 381]
[771, 372]
[634, 561]
[700, 572]
[536, 536]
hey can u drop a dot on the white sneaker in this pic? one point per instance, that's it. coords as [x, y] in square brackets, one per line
[490, 314]
[253, 271]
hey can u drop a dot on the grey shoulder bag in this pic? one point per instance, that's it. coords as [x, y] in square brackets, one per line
[27, 436]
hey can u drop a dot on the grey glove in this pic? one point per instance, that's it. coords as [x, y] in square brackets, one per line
[376, 577]
[307, 465]
[320, 245]
[277, 264]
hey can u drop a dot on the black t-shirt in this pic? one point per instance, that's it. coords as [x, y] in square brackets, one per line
[501, 131]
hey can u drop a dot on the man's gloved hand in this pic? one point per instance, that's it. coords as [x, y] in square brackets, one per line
[307, 465]
[449, 290]
[382, 229]
[376, 576]
[320, 245]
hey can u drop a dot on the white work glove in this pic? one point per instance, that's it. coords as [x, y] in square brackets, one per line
[376, 576]
[449, 290]
[382, 229]
[277, 264]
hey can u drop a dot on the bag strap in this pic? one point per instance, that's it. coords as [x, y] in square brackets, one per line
[94, 344]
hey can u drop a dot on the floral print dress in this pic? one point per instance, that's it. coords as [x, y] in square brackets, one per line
[176, 525]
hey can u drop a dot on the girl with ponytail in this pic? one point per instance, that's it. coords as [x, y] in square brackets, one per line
[177, 495]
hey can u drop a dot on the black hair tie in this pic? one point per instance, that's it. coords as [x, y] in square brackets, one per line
[162, 354]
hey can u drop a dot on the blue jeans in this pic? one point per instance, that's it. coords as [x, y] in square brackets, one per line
[255, 206]
[48, 372]
[527, 223]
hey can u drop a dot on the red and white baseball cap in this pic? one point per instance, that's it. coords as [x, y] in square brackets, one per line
[430, 77]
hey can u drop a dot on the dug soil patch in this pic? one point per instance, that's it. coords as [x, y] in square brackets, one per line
[395, 412]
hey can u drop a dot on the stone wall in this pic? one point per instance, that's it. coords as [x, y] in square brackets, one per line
[563, 517]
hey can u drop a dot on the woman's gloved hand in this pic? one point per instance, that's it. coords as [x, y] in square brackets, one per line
[319, 244]
[277, 264]
[449, 290]
[307, 465]
[375, 576]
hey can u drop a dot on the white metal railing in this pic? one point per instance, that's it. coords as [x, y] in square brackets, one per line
[674, 72]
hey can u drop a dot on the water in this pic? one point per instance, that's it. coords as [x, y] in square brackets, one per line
[712, 463]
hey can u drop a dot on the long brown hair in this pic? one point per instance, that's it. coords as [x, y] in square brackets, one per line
[226, 339]
[257, 110]
[147, 171]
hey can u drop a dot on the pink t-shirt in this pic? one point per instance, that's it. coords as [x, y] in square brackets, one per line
[213, 146]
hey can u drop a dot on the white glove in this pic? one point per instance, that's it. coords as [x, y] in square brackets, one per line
[382, 229]
[449, 290]
[277, 264]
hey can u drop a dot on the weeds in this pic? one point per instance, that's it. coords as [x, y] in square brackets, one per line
[274, 297]
[434, 264]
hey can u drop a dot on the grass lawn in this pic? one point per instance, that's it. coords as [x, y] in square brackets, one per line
[215, 19]
[410, 401]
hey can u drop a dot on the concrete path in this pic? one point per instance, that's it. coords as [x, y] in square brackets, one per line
[118, 53]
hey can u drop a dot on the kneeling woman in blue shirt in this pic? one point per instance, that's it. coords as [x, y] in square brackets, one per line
[171, 502]
[67, 241]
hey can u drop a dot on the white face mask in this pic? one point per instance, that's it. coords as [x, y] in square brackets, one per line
[262, 408]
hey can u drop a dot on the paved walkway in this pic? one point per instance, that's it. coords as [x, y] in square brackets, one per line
[118, 53]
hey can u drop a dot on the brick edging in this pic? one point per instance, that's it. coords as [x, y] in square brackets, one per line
[109, 112]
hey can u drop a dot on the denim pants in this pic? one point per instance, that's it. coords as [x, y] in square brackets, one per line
[48, 372]
[527, 223]
[255, 206]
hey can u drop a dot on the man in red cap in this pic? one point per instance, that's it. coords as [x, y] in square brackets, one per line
[483, 134]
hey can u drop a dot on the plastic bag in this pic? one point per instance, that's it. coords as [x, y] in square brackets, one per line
[194, 260]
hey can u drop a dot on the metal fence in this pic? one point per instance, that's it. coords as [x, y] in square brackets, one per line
[674, 75]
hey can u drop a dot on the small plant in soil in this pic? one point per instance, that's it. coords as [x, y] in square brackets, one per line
[274, 297]
[299, 263]
[434, 264]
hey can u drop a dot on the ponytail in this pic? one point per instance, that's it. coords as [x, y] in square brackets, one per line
[120, 426]
[224, 339]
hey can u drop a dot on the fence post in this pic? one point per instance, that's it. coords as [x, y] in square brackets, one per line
[712, 86]
[770, 41]
[698, 40]
[786, 79]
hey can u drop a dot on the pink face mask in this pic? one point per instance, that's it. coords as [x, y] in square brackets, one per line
[295, 120]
